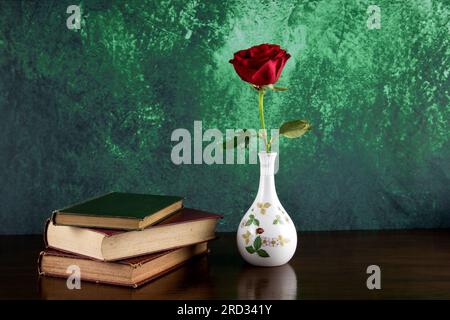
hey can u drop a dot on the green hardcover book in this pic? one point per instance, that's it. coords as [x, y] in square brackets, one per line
[118, 210]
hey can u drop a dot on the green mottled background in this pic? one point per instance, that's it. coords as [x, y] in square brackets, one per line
[89, 111]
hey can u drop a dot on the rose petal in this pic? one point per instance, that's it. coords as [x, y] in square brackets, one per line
[282, 63]
[266, 74]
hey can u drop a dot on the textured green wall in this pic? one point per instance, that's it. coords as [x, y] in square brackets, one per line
[89, 111]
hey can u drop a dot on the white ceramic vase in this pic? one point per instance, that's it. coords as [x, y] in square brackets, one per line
[266, 235]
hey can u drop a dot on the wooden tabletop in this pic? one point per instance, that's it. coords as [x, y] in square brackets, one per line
[414, 264]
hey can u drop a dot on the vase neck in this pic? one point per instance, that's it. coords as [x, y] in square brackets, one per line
[267, 179]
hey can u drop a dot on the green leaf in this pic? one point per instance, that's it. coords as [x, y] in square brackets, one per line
[275, 221]
[250, 249]
[252, 216]
[295, 128]
[257, 243]
[256, 221]
[262, 253]
[279, 88]
[249, 222]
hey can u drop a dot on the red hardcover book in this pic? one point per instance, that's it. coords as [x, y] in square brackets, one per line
[186, 227]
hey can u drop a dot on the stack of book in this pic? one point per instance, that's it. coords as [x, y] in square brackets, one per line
[124, 238]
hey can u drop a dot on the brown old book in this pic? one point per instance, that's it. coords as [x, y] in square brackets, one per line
[193, 275]
[186, 227]
[131, 272]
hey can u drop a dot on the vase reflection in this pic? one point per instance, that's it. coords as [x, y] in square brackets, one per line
[267, 283]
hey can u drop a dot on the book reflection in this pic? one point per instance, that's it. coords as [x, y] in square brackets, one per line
[277, 283]
[190, 281]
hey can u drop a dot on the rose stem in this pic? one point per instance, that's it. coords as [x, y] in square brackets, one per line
[261, 117]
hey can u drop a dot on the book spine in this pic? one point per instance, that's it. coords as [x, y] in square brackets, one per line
[47, 223]
[39, 263]
[53, 216]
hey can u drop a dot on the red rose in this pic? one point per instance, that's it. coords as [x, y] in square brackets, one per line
[260, 65]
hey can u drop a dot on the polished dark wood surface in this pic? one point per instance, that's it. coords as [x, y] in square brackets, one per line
[328, 265]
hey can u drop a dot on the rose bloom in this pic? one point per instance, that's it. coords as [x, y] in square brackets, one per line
[260, 65]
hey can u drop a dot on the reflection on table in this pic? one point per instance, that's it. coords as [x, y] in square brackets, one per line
[267, 283]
